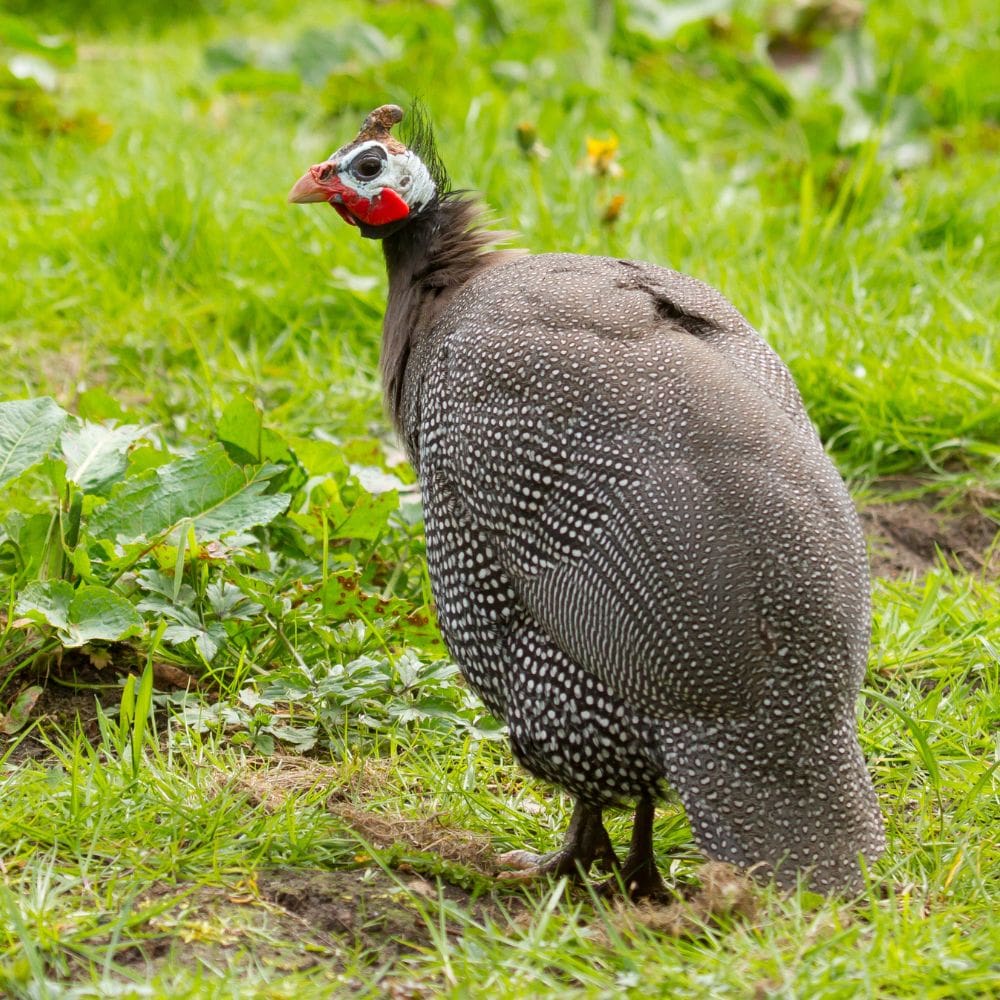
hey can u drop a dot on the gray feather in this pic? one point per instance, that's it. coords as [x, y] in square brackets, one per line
[642, 556]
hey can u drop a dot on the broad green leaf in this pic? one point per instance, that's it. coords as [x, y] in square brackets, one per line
[23, 543]
[184, 622]
[320, 458]
[240, 430]
[146, 457]
[29, 429]
[263, 743]
[375, 481]
[343, 598]
[79, 615]
[364, 451]
[488, 728]
[228, 602]
[266, 64]
[180, 633]
[162, 586]
[47, 601]
[298, 739]
[368, 517]
[96, 455]
[318, 52]
[431, 707]
[97, 404]
[206, 488]
[249, 442]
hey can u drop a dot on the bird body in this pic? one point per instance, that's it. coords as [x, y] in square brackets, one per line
[642, 558]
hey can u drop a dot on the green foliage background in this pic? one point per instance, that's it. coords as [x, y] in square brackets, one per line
[195, 469]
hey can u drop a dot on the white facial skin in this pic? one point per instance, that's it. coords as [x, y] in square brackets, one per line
[403, 172]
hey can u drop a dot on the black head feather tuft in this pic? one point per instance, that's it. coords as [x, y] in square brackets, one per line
[418, 135]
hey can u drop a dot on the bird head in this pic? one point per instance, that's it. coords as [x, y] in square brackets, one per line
[375, 182]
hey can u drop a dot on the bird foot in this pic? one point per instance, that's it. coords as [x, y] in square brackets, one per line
[638, 876]
[587, 843]
[567, 861]
[525, 865]
[638, 881]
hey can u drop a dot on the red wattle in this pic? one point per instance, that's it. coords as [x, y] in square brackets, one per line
[385, 207]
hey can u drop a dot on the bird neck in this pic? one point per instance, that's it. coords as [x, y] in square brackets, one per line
[428, 261]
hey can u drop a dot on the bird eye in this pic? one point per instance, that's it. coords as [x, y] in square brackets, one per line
[367, 167]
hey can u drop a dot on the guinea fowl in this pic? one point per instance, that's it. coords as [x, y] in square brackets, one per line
[642, 558]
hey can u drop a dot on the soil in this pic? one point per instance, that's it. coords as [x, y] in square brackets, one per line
[61, 707]
[908, 537]
[724, 894]
[72, 689]
[295, 919]
[369, 909]
[291, 919]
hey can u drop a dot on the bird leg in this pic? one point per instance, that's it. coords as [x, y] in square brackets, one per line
[586, 842]
[639, 874]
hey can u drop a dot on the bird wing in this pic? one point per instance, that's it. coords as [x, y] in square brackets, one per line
[638, 464]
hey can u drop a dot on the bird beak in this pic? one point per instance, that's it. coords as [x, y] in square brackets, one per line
[308, 188]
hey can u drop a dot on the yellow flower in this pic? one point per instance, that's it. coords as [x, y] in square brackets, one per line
[602, 157]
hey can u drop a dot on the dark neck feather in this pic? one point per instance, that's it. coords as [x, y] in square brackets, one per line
[428, 260]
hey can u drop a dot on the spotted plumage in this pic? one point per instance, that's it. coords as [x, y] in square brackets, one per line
[642, 558]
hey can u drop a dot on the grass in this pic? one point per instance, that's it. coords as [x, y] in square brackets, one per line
[155, 276]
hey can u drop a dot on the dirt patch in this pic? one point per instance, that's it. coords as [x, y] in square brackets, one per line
[73, 685]
[59, 708]
[290, 920]
[907, 536]
[368, 909]
[283, 776]
[724, 894]
[215, 925]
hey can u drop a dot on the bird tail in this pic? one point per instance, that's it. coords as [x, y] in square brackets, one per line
[783, 811]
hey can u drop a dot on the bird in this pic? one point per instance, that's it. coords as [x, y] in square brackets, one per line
[642, 558]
